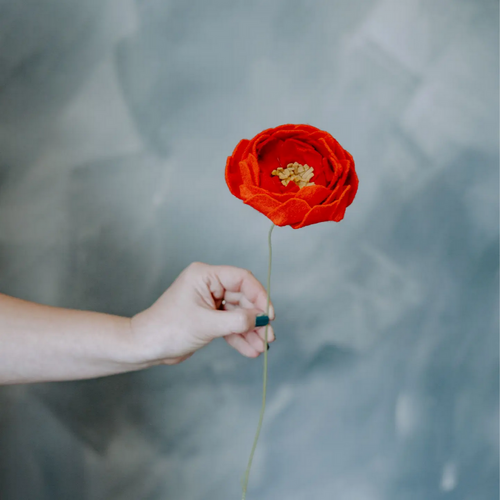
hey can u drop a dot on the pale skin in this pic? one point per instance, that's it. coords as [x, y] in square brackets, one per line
[41, 343]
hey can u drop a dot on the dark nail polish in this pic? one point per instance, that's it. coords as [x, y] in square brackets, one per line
[261, 320]
[268, 346]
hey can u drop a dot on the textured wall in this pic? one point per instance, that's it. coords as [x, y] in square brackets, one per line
[115, 122]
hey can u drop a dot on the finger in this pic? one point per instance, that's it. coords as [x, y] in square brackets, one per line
[237, 298]
[228, 306]
[241, 345]
[235, 279]
[261, 332]
[234, 300]
[255, 341]
[220, 323]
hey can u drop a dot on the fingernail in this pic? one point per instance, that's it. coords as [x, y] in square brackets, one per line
[262, 320]
[268, 346]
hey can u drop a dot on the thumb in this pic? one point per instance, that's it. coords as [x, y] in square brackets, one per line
[240, 320]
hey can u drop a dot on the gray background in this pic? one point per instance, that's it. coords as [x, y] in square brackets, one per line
[116, 119]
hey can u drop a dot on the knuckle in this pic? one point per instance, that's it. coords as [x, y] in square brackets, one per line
[248, 273]
[195, 267]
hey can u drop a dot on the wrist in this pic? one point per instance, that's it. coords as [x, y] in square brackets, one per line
[127, 351]
[143, 351]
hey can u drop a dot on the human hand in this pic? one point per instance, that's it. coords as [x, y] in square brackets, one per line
[205, 302]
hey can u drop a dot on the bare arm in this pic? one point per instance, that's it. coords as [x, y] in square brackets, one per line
[42, 343]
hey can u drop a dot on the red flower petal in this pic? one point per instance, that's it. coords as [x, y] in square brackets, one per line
[263, 203]
[290, 212]
[249, 191]
[253, 166]
[336, 194]
[353, 181]
[317, 214]
[239, 149]
[307, 128]
[233, 175]
[233, 178]
[247, 170]
[313, 195]
[342, 205]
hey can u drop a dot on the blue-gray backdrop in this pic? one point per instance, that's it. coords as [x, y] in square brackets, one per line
[116, 118]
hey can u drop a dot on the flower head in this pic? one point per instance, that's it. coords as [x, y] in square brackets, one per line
[296, 175]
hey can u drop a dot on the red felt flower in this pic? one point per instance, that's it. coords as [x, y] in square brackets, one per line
[296, 175]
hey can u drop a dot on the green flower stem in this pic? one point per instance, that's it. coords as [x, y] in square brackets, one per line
[264, 386]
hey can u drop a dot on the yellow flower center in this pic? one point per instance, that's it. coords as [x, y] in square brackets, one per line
[300, 174]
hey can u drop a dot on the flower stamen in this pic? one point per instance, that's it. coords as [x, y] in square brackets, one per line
[300, 174]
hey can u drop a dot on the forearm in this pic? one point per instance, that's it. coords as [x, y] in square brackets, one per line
[43, 343]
